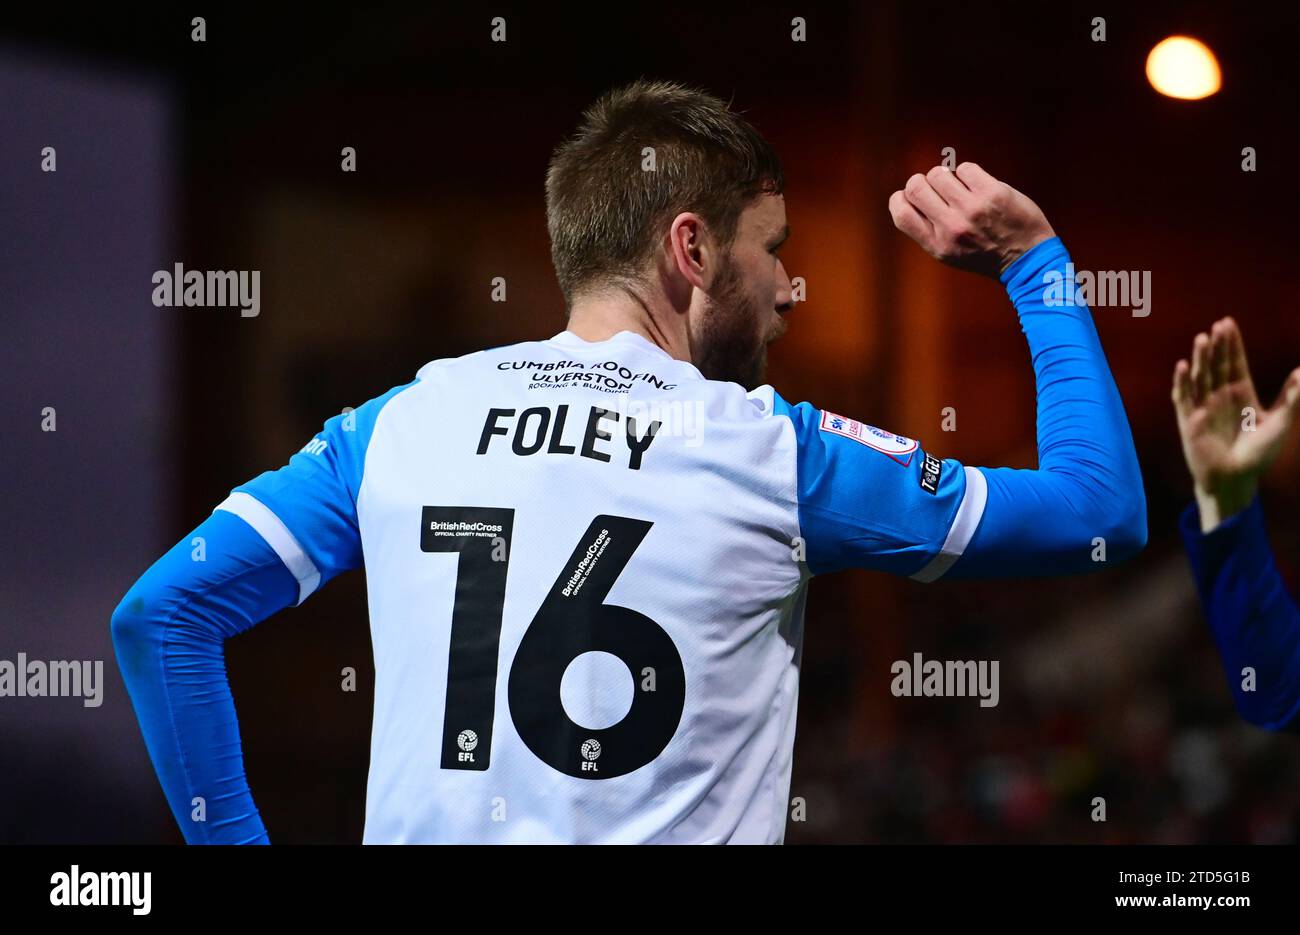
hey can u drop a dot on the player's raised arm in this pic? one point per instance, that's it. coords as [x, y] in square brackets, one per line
[1086, 495]
[876, 500]
[1229, 439]
[269, 545]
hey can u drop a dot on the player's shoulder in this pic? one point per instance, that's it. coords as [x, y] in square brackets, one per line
[772, 404]
[759, 405]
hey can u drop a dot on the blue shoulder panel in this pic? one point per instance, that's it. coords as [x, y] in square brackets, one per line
[869, 498]
[314, 497]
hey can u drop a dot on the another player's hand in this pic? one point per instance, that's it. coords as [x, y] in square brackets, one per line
[1228, 438]
[968, 219]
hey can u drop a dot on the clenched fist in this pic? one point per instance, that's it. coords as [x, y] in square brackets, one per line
[968, 219]
[1229, 439]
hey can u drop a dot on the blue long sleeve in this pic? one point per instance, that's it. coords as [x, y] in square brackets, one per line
[870, 498]
[1254, 621]
[273, 542]
[169, 632]
[1088, 484]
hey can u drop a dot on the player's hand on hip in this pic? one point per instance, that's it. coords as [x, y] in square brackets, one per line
[968, 219]
[1229, 439]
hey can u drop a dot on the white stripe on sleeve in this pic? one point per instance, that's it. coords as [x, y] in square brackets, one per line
[963, 527]
[279, 538]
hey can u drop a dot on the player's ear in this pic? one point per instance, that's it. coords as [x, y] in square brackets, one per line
[688, 248]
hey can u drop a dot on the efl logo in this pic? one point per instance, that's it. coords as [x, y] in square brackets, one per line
[467, 740]
[898, 447]
[590, 754]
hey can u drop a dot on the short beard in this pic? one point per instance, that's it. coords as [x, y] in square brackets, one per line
[728, 345]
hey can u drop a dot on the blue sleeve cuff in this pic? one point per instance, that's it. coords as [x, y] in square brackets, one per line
[1024, 277]
[1243, 535]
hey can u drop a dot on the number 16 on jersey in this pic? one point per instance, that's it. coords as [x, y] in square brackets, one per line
[573, 620]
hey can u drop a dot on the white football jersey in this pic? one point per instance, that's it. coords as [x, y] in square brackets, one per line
[586, 567]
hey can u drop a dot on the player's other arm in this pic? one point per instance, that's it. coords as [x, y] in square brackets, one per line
[1086, 494]
[1229, 439]
[169, 633]
[270, 544]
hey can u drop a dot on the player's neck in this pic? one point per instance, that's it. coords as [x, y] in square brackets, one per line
[599, 318]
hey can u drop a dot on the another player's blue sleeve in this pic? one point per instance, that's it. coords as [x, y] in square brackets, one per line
[871, 499]
[1254, 621]
[268, 546]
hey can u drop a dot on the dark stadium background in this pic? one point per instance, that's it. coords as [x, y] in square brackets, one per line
[225, 155]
